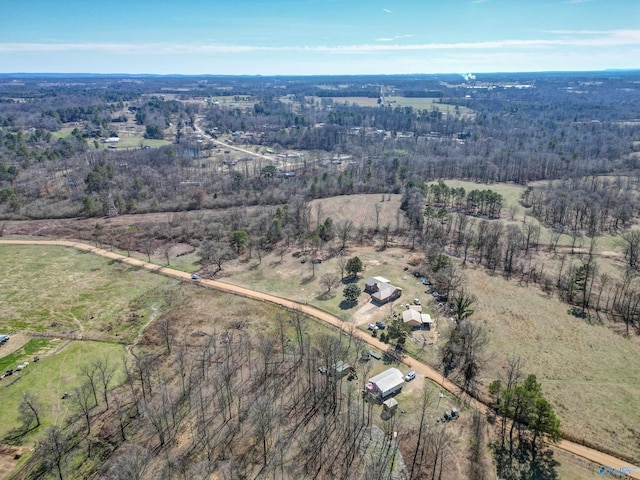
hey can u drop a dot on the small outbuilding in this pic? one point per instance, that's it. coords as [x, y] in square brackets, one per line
[389, 407]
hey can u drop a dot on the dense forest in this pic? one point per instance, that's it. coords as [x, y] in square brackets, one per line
[499, 129]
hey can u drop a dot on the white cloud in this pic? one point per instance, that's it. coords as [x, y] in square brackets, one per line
[594, 39]
[391, 39]
[386, 10]
[479, 1]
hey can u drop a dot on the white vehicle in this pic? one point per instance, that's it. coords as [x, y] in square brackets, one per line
[195, 276]
[372, 327]
[410, 376]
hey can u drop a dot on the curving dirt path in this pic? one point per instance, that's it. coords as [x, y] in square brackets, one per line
[595, 456]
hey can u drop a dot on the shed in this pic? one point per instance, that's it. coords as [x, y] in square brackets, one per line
[390, 406]
[340, 368]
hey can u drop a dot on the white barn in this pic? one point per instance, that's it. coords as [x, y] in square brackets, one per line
[386, 383]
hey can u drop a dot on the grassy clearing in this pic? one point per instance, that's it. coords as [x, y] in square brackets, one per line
[47, 289]
[428, 104]
[136, 141]
[590, 374]
[33, 346]
[49, 379]
[416, 103]
[510, 192]
[360, 209]
[63, 132]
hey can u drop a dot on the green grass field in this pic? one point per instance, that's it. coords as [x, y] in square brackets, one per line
[46, 289]
[63, 132]
[49, 379]
[24, 353]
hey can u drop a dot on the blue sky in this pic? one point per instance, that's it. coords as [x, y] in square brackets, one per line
[317, 36]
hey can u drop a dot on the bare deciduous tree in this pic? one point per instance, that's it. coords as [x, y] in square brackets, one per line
[105, 371]
[29, 412]
[53, 449]
[329, 281]
[344, 230]
[128, 463]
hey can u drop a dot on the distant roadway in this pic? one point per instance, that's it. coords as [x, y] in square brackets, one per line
[595, 456]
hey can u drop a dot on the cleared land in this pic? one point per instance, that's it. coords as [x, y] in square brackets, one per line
[62, 291]
[137, 141]
[587, 371]
[416, 103]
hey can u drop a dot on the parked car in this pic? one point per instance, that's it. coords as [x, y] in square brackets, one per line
[380, 325]
[4, 338]
[195, 276]
[22, 366]
[410, 376]
[372, 327]
[416, 301]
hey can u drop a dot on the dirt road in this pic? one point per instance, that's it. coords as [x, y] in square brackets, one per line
[587, 453]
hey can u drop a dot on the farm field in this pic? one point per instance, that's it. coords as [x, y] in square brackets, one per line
[428, 104]
[63, 132]
[137, 141]
[360, 209]
[53, 289]
[587, 371]
[416, 103]
[48, 379]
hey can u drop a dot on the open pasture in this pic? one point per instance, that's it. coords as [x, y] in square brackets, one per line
[55, 374]
[63, 291]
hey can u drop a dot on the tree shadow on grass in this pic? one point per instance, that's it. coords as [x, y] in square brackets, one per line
[584, 315]
[349, 279]
[522, 466]
[307, 280]
[15, 436]
[326, 296]
[347, 304]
